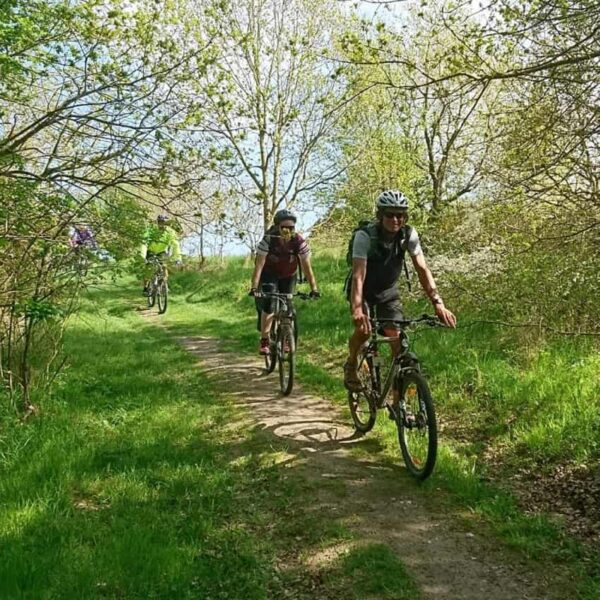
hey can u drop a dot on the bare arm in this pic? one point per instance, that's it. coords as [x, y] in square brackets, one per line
[308, 272]
[259, 263]
[428, 284]
[359, 273]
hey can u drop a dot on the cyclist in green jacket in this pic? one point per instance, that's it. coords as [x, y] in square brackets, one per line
[159, 241]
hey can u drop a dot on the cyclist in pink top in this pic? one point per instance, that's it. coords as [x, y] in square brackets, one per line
[277, 257]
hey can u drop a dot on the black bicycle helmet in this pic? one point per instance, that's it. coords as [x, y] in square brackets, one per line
[283, 215]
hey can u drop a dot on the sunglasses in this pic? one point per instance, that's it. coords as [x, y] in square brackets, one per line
[395, 215]
[287, 227]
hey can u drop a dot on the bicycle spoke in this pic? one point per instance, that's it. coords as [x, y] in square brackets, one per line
[417, 431]
[362, 405]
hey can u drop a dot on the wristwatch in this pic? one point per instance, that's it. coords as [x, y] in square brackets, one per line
[437, 300]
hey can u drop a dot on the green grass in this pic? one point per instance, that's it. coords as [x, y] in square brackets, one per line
[533, 405]
[140, 479]
[132, 483]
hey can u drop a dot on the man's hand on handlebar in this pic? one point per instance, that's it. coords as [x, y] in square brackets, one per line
[445, 316]
[361, 321]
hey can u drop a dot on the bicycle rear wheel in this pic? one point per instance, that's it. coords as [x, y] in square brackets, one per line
[286, 355]
[417, 428]
[162, 297]
[362, 404]
[151, 297]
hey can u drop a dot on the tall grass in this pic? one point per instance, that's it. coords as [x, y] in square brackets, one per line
[539, 403]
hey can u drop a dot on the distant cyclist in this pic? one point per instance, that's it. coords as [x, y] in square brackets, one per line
[277, 257]
[82, 236]
[378, 253]
[160, 241]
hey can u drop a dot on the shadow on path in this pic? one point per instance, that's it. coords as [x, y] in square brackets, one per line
[373, 495]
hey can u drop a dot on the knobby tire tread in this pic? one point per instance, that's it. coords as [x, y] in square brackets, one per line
[289, 360]
[360, 424]
[425, 395]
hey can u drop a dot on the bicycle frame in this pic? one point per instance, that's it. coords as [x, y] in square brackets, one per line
[160, 270]
[284, 308]
[404, 361]
[283, 338]
[411, 408]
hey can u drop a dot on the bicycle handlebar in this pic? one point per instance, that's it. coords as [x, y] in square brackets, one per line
[301, 295]
[155, 260]
[426, 319]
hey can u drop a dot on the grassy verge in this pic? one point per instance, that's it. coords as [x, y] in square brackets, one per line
[140, 480]
[523, 407]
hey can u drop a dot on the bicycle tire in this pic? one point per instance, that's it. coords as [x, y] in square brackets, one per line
[271, 358]
[417, 427]
[162, 297]
[286, 360]
[362, 407]
[151, 298]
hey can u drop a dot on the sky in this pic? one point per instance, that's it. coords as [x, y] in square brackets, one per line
[387, 12]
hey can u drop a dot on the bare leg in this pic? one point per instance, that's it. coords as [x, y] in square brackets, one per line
[351, 380]
[266, 320]
[354, 345]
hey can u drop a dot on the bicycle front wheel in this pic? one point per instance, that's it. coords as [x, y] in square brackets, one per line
[417, 428]
[286, 355]
[362, 405]
[271, 358]
[162, 297]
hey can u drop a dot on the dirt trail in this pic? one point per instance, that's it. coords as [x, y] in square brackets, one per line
[381, 503]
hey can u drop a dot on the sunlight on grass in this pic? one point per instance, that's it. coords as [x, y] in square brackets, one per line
[141, 480]
[538, 404]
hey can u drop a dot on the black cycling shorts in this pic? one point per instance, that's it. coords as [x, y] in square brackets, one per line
[272, 283]
[161, 256]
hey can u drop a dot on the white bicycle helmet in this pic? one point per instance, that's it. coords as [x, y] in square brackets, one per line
[392, 199]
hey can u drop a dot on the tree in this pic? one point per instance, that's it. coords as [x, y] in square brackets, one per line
[272, 102]
[90, 102]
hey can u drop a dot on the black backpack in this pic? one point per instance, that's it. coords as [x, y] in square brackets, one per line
[371, 228]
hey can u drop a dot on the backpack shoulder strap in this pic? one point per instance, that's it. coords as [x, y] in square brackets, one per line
[406, 233]
[370, 227]
[271, 237]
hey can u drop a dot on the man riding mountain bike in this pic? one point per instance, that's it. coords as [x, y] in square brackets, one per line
[277, 258]
[159, 241]
[378, 252]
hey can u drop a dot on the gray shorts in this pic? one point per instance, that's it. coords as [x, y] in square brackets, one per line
[391, 310]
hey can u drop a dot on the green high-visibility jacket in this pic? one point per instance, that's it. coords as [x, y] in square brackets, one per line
[157, 240]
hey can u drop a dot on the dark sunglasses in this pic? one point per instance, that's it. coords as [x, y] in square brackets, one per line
[395, 215]
[288, 227]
